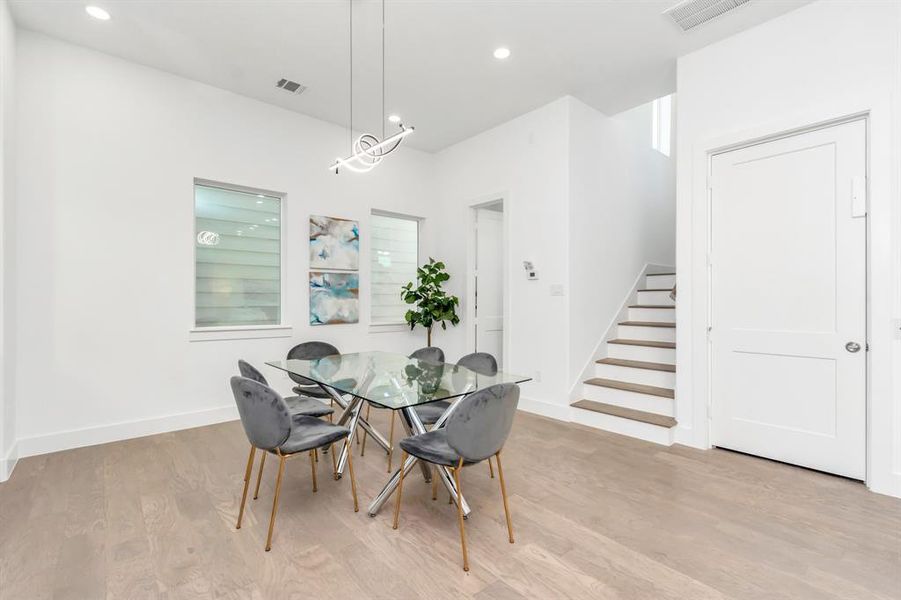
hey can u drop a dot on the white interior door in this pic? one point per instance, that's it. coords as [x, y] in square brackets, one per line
[489, 282]
[788, 268]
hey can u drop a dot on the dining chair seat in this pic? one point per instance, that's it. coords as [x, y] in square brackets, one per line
[431, 412]
[433, 447]
[300, 406]
[314, 391]
[308, 433]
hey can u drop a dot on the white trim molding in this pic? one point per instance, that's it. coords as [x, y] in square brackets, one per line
[250, 332]
[103, 434]
[8, 462]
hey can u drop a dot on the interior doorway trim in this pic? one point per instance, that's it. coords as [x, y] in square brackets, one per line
[694, 393]
[502, 198]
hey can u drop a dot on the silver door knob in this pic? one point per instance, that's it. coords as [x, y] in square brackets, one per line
[852, 347]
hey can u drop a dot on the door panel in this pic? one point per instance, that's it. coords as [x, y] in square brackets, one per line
[788, 269]
[490, 283]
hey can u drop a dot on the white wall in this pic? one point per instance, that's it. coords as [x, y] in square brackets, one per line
[7, 240]
[622, 217]
[105, 248]
[821, 61]
[589, 203]
[525, 162]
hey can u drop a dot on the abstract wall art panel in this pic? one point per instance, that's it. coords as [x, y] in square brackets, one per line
[334, 243]
[334, 298]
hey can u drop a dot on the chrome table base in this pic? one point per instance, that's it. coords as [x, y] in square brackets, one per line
[414, 426]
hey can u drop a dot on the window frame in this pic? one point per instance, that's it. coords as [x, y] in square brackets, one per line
[400, 325]
[659, 129]
[241, 332]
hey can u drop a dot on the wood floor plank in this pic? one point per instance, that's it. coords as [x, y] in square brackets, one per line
[595, 515]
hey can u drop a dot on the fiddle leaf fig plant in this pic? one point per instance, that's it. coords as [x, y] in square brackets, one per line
[431, 304]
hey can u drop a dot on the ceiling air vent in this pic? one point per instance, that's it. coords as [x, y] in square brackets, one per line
[691, 13]
[290, 86]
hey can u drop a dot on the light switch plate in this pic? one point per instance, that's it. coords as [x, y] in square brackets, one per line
[556, 289]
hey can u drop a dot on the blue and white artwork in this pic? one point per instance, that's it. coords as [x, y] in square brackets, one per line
[334, 298]
[334, 244]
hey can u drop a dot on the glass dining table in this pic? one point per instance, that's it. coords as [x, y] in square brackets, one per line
[395, 382]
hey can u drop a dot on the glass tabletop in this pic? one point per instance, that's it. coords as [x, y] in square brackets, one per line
[392, 380]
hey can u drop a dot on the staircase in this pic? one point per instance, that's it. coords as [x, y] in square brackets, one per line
[633, 388]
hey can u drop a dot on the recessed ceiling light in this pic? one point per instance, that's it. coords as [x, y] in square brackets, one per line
[97, 12]
[502, 53]
[394, 118]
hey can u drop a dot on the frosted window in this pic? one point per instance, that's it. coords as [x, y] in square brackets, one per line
[237, 241]
[395, 257]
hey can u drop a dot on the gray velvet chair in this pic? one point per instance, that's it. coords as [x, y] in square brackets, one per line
[311, 351]
[297, 406]
[476, 430]
[270, 427]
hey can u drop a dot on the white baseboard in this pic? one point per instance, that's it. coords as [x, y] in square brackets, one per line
[90, 436]
[545, 409]
[889, 484]
[8, 462]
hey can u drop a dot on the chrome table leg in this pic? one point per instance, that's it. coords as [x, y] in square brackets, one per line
[415, 424]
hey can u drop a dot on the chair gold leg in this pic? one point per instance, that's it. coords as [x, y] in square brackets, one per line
[400, 488]
[353, 479]
[313, 469]
[278, 490]
[500, 475]
[460, 516]
[435, 483]
[490, 468]
[256, 491]
[391, 442]
[316, 454]
[334, 463]
[247, 473]
[363, 447]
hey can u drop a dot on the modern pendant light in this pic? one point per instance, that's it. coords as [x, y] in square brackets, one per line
[367, 151]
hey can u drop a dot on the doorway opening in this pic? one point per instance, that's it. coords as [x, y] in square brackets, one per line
[487, 277]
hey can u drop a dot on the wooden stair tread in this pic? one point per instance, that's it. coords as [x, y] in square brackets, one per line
[669, 289]
[655, 274]
[638, 388]
[648, 343]
[626, 413]
[673, 306]
[648, 324]
[637, 364]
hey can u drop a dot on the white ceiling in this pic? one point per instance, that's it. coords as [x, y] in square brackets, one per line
[442, 78]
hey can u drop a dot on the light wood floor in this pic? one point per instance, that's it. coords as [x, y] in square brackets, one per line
[595, 516]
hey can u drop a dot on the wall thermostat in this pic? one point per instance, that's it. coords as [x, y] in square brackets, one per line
[530, 269]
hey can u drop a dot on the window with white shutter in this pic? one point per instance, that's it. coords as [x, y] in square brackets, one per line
[395, 257]
[237, 249]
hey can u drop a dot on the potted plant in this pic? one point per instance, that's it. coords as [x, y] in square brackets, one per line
[432, 304]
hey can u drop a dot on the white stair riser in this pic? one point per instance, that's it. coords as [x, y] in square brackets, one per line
[637, 332]
[659, 298]
[665, 315]
[628, 427]
[645, 353]
[663, 379]
[655, 282]
[645, 402]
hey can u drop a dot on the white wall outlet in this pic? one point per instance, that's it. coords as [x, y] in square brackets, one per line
[557, 289]
[536, 377]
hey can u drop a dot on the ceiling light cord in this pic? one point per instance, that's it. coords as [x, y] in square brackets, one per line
[367, 151]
